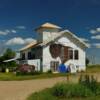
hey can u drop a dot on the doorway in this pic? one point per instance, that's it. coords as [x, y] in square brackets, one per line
[54, 66]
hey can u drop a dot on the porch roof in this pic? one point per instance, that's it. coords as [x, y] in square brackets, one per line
[28, 46]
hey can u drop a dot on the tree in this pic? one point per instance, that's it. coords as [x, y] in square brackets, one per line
[9, 54]
[87, 61]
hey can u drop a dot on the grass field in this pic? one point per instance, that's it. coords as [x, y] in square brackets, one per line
[46, 94]
[93, 69]
[12, 76]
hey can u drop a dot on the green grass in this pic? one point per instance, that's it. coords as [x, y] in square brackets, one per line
[11, 76]
[89, 89]
[93, 69]
[47, 94]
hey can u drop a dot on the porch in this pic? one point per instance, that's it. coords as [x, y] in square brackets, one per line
[35, 62]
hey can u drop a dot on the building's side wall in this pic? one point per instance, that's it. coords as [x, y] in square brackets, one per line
[36, 62]
[81, 61]
[46, 59]
[49, 34]
[65, 41]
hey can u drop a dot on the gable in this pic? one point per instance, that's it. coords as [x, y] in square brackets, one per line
[64, 37]
[65, 41]
[69, 42]
[69, 36]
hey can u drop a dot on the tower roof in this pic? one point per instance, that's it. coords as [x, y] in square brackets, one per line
[49, 25]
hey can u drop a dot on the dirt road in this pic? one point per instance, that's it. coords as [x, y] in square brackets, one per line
[19, 90]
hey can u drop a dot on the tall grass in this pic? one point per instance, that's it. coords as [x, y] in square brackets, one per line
[71, 90]
[87, 89]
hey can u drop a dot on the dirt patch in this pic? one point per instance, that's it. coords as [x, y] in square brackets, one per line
[19, 90]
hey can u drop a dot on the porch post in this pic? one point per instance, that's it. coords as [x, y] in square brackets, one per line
[73, 54]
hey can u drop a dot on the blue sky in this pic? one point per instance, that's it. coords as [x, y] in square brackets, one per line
[19, 18]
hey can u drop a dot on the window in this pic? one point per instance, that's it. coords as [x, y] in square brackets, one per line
[23, 56]
[33, 56]
[70, 53]
[76, 54]
[29, 55]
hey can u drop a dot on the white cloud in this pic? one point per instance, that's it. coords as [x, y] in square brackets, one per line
[97, 45]
[19, 41]
[94, 31]
[98, 29]
[15, 41]
[96, 37]
[21, 27]
[29, 40]
[13, 31]
[4, 32]
[84, 39]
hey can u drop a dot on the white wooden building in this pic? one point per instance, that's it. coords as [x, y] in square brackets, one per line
[53, 47]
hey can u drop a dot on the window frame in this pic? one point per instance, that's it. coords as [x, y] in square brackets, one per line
[23, 56]
[76, 54]
[69, 56]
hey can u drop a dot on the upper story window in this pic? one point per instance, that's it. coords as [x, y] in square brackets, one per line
[76, 54]
[73, 54]
[70, 53]
[23, 56]
[29, 55]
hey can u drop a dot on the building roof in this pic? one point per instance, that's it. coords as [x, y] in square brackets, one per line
[28, 46]
[65, 32]
[49, 25]
[33, 44]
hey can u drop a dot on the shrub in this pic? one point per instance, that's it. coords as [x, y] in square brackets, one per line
[59, 90]
[42, 95]
[91, 83]
[25, 69]
[49, 71]
[71, 90]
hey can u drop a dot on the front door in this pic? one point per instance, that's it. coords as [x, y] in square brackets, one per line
[54, 66]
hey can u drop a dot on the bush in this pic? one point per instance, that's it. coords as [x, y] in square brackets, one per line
[25, 70]
[71, 90]
[59, 90]
[42, 95]
[91, 83]
[49, 71]
[29, 73]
